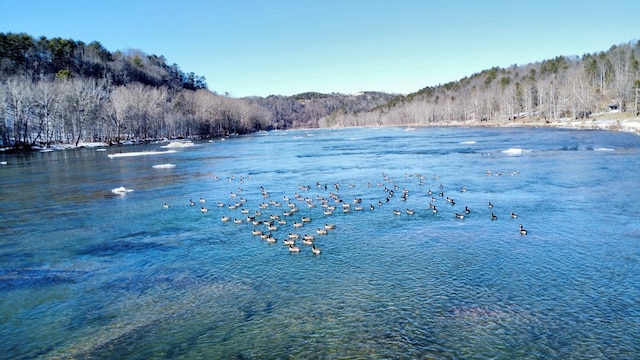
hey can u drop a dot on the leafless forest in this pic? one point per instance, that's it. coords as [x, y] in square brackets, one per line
[65, 91]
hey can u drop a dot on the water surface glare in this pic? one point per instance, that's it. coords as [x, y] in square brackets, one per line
[91, 273]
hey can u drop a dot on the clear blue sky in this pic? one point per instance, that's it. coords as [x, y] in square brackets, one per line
[265, 47]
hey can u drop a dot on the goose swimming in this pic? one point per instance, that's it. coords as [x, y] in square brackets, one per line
[523, 231]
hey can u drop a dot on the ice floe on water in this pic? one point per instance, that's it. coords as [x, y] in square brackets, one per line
[140, 153]
[513, 151]
[468, 142]
[604, 149]
[164, 166]
[179, 144]
[121, 190]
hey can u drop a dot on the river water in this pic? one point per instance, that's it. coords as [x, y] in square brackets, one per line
[90, 272]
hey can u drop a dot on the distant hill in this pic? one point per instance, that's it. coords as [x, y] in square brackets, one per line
[21, 54]
[562, 88]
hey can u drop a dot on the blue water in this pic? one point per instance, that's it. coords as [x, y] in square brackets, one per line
[89, 274]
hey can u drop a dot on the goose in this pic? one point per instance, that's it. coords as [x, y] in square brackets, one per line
[191, 202]
[256, 232]
[293, 236]
[322, 231]
[282, 222]
[237, 221]
[514, 215]
[307, 241]
[410, 212]
[493, 216]
[306, 219]
[434, 209]
[226, 218]
[371, 207]
[523, 231]
[293, 248]
[202, 200]
[289, 242]
[466, 210]
[490, 205]
[203, 209]
[244, 211]
[220, 204]
[460, 216]
[329, 226]
[315, 250]
[272, 228]
[396, 212]
[271, 239]
[297, 224]
[165, 205]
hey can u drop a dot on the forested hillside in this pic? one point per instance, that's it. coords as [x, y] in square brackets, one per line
[65, 91]
[563, 88]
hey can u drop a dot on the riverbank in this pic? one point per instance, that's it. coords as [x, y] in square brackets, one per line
[606, 121]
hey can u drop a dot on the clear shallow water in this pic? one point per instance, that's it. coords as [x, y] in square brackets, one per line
[85, 273]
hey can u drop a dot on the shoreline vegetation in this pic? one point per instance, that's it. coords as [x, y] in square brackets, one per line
[605, 122]
[64, 93]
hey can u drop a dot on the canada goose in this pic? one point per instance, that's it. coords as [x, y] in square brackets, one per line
[237, 221]
[460, 216]
[307, 241]
[329, 226]
[293, 236]
[191, 202]
[315, 250]
[289, 242]
[396, 212]
[256, 232]
[297, 224]
[202, 200]
[293, 248]
[514, 215]
[410, 212]
[523, 231]
[203, 209]
[322, 231]
[306, 219]
[466, 210]
[493, 216]
[271, 239]
[226, 218]
[490, 205]
[165, 205]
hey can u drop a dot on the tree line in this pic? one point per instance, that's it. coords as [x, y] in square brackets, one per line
[64, 91]
[563, 88]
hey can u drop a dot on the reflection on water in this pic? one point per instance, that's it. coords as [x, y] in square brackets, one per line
[87, 273]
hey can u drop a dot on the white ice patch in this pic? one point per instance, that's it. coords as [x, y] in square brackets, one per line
[121, 190]
[164, 166]
[140, 153]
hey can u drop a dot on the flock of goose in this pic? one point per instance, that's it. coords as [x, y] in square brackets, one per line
[273, 218]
